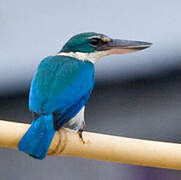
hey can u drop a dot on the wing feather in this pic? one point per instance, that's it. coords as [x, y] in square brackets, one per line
[59, 84]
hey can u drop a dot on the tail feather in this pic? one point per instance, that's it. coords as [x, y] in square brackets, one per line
[37, 139]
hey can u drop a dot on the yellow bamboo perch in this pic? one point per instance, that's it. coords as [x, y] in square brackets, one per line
[101, 147]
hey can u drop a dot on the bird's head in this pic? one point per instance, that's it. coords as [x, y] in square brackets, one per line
[92, 46]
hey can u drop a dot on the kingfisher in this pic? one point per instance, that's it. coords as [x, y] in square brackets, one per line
[62, 84]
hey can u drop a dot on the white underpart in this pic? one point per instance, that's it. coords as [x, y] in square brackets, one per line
[78, 120]
[92, 57]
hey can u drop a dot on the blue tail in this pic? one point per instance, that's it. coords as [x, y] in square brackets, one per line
[37, 139]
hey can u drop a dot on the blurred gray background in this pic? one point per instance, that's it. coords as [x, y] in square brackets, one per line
[136, 95]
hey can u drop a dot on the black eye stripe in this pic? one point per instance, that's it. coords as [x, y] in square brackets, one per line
[96, 42]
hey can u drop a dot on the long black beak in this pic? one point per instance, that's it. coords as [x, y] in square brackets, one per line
[117, 46]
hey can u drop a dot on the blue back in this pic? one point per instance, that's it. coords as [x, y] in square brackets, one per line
[61, 85]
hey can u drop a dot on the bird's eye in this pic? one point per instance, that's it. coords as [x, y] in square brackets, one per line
[95, 41]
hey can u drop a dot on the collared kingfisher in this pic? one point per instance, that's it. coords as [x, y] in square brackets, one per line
[62, 85]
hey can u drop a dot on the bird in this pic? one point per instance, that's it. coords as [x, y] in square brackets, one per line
[62, 85]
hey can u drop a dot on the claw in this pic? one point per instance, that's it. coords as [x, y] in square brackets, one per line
[80, 135]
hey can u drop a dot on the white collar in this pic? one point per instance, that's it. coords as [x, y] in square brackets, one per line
[92, 57]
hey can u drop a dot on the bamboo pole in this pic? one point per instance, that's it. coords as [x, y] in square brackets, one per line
[66, 142]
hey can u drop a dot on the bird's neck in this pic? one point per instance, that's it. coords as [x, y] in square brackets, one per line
[92, 57]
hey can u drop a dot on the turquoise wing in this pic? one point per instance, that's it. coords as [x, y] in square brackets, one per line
[63, 85]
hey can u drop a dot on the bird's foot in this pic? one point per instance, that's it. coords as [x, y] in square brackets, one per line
[80, 131]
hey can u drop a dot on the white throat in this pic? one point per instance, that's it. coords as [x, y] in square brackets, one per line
[92, 57]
